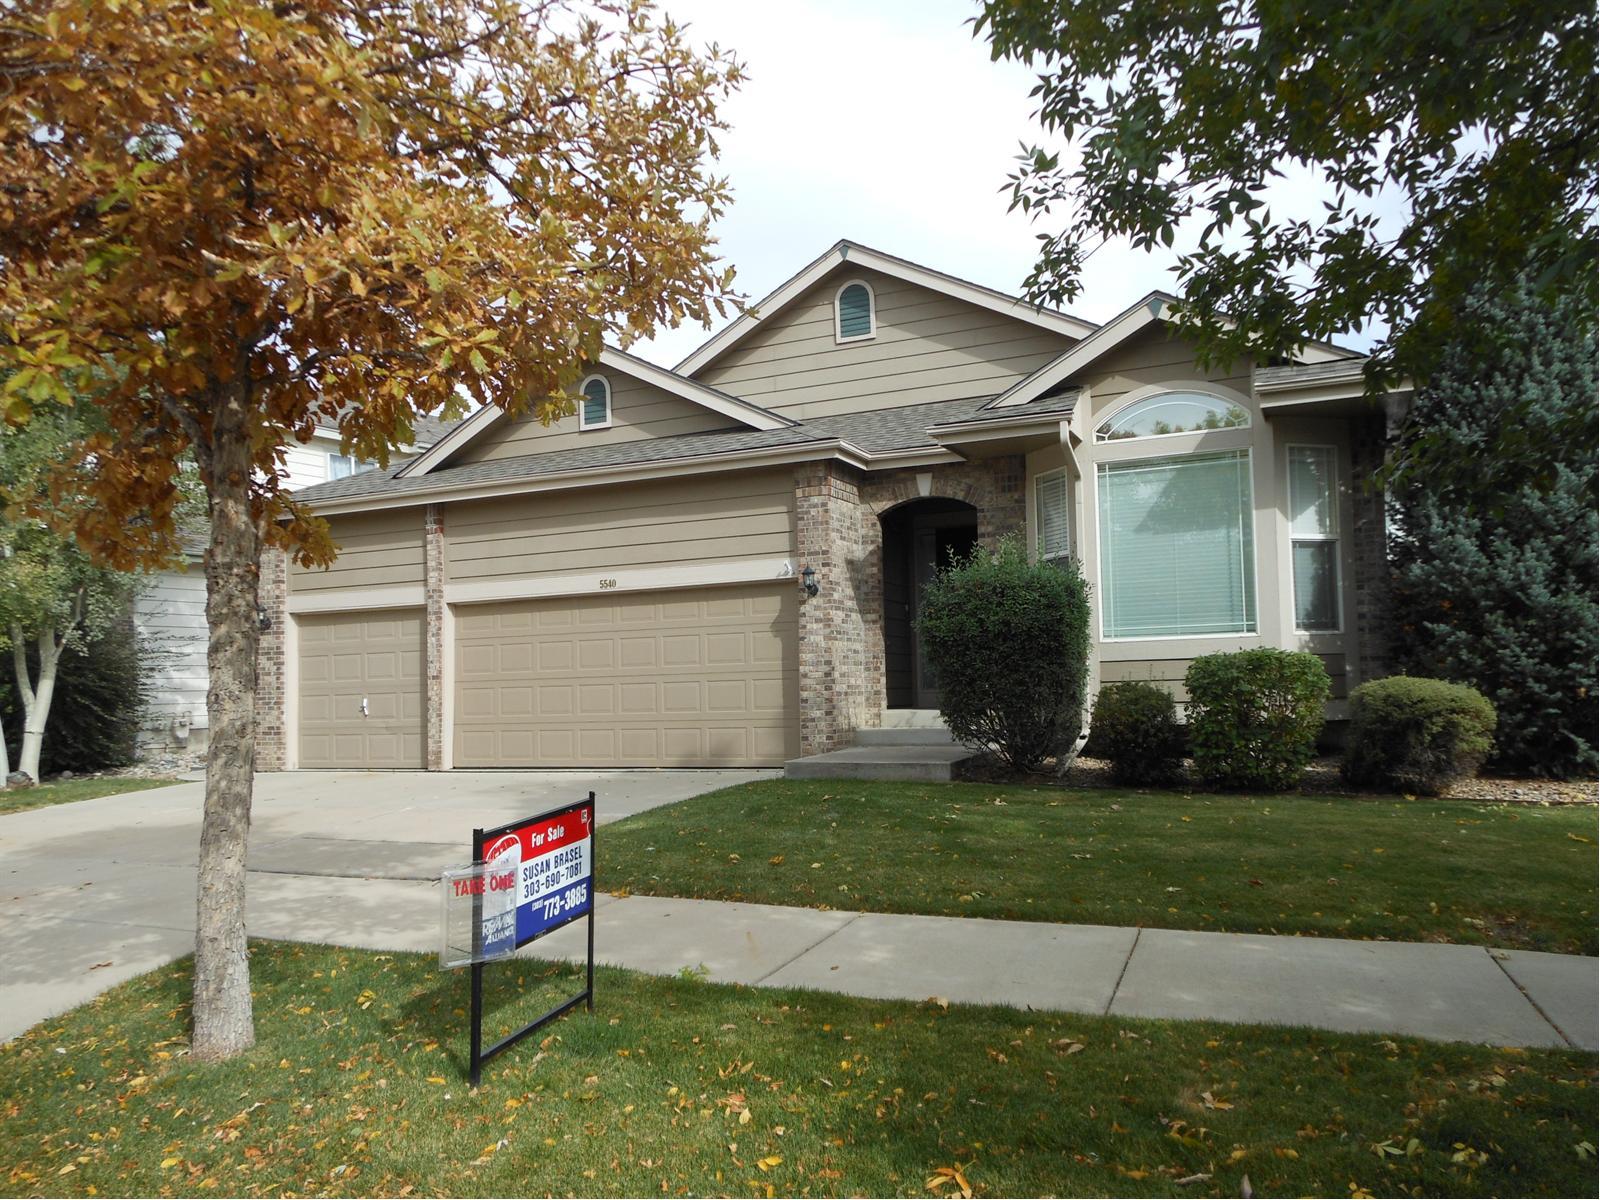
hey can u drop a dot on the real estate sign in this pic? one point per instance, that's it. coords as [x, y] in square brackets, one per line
[527, 878]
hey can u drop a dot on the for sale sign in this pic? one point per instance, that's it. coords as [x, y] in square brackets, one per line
[551, 860]
[531, 877]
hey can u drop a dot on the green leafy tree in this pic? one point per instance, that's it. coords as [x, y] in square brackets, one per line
[53, 596]
[1475, 118]
[1493, 486]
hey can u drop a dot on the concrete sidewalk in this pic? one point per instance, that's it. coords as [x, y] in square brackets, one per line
[1450, 993]
[102, 890]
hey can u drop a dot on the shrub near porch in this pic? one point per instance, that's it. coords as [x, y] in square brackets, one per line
[1521, 877]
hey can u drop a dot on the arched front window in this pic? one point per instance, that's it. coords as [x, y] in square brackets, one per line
[594, 411]
[1171, 412]
[1176, 519]
[853, 317]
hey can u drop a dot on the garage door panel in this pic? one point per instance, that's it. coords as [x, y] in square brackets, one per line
[701, 678]
[345, 658]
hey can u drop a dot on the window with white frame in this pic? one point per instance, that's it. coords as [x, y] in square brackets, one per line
[854, 315]
[1314, 537]
[594, 410]
[1051, 515]
[1177, 553]
[1169, 413]
[342, 466]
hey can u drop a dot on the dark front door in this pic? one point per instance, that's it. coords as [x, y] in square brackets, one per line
[918, 540]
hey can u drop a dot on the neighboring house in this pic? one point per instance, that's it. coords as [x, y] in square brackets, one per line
[721, 565]
[170, 611]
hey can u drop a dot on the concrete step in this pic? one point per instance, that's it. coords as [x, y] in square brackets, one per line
[911, 718]
[915, 764]
[905, 737]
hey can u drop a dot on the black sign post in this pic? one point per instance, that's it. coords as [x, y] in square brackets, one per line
[552, 859]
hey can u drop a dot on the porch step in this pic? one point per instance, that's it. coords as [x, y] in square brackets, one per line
[905, 737]
[910, 718]
[915, 764]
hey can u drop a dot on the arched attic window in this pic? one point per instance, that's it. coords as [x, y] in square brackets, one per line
[1172, 412]
[594, 410]
[855, 317]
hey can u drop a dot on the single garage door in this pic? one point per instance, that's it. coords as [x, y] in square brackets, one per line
[697, 678]
[361, 690]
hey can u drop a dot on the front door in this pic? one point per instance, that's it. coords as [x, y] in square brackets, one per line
[937, 540]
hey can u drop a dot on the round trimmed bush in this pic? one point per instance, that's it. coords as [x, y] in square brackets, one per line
[1136, 727]
[1411, 734]
[1008, 641]
[1254, 716]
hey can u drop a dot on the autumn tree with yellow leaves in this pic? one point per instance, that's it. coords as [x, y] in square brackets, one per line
[225, 222]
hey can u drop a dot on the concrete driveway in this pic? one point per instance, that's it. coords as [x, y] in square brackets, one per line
[99, 891]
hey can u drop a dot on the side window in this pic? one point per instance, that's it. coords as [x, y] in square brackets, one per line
[1314, 534]
[594, 410]
[854, 315]
[1053, 534]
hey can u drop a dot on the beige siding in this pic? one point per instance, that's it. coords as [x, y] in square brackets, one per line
[1153, 358]
[375, 550]
[928, 347]
[1169, 673]
[680, 523]
[638, 410]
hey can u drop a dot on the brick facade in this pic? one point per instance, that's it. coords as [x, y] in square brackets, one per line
[272, 740]
[1369, 550]
[840, 535]
[833, 676]
[433, 636]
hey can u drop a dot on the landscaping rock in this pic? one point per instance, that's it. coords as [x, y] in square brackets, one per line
[19, 779]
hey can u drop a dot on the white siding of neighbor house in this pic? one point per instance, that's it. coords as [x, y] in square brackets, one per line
[928, 347]
[170, 614]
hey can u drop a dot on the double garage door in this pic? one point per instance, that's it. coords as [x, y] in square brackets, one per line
[695, 678]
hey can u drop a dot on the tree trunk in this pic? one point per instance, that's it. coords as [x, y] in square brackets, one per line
[223, 1021]
[36, 701]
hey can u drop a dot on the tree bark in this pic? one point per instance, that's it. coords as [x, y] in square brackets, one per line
[223, 1021]
[36, 700]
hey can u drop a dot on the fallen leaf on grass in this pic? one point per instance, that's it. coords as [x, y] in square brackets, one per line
[1216, 1102]
[943, 1177]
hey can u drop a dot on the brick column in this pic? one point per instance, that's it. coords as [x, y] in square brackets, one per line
[1369, 548]
[833, 683]
[433, 637]
[271, 723]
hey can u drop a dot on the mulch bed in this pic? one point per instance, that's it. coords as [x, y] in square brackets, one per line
[1320, 778]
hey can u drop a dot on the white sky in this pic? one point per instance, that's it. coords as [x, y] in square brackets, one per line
[884, 121]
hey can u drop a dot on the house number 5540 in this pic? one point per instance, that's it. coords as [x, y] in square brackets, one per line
[607, 583]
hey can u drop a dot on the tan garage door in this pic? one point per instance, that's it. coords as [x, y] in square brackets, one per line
[349, 658]
[697, 678]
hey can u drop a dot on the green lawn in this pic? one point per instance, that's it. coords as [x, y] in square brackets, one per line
[73, 789]
[355, 1087]
[1337, 867]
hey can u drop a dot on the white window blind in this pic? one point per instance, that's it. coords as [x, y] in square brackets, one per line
[1054, 531]
[1314, 531]
[1177, 552]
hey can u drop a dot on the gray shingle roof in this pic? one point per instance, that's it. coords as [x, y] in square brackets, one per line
[537, 466]
[877, 432]
[1309, 372]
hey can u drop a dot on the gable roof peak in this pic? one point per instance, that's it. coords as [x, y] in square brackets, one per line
[856, 254]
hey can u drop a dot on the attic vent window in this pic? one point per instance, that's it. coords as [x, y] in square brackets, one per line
[853, 317]
[594, 411]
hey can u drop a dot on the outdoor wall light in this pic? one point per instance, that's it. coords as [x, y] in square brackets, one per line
[808, 580]
[263, 621]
